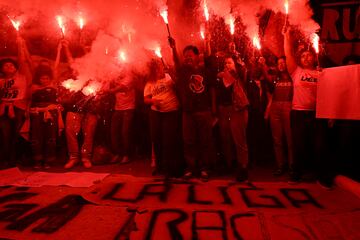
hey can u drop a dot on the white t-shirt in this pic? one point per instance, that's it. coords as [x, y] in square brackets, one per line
[125, 100]
[15, 90]
[163, 90]
[305, 84]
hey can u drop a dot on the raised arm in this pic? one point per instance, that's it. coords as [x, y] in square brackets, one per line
[69, 57]
[57, 62]
[290, 58]
[174, 52]
[24, 66]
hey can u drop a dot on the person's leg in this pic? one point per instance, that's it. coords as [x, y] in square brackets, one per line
[115, 125]
[239, 121]
[298, 130]
[37, 138]
[204, 136]
[155, 126]
[89, 127]
[169, 139]
[189, 137]
[72, 130]
[128, 117]
[51, 134]
[225, 134]
[277, 130]
[286, 123]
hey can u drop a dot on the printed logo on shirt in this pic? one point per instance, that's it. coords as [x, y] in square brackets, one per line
[7, 91]
[196, 84]
[308, 78]
[159, 89]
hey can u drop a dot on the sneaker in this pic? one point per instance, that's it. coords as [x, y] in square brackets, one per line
[115, 159]
[71, 163]
[188, 175]
[46, 165]
[86, 163]
[38, 165]
[204, 176]
[294, 178]
[278, 172]
[124, 160]
[327, 185]
[242, 176]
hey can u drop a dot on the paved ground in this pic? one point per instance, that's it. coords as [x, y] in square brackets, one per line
[132, 204]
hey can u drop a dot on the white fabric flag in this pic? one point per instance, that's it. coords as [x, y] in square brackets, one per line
[338, 93]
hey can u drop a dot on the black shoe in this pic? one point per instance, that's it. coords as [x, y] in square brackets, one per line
[242, 176]
[294, 178]
[204, 176]
[278, 172]
[325, 184]
[188, 175]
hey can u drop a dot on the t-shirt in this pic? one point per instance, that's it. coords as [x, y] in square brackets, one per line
[125, 100]
[42, 97]
[15, 90]
[305, 84]
[193, 86]
[163, 90]
[283, 89]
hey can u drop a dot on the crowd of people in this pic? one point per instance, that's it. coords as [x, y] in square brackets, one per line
[209, 106]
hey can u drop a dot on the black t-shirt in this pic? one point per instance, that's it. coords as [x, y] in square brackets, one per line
[193, 85]
[44, 97]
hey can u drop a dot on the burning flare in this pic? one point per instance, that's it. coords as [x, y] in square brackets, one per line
[286, 6]
[202, 32]
[164, 15]
[16, 24]
[91, 89]
[231, 24]
[81, 22]
[122, 56]
[256, 42]
[158, 52]
[72, 85]
[60, 21]
[315, 42]
[206, 11]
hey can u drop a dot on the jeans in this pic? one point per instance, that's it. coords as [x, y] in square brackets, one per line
[280, 129]
[233, 125]
[75, 122]
[309, 142]
[165, 135]
[197, 136]
[43, 136]
[121, 123]
[9, 130]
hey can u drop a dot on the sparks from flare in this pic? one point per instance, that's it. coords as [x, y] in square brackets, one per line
[164, 15]
[91, 89]
[206, 11]
[61, 25]
[16, 24]
[256, 42]
[81, 22]
[158, 52]
[286, 6]
[72, 85]
[202, 32]
[231, 24]
[122, 56]
[315, 42]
